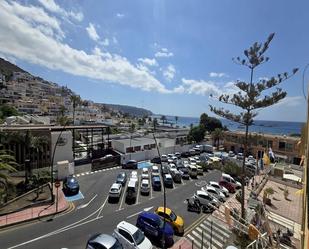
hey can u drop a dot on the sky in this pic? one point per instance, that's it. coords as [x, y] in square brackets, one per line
[165, 56]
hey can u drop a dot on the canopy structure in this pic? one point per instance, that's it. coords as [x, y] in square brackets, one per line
[291, 177]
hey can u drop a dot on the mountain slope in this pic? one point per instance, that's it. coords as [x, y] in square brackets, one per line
[7, 68]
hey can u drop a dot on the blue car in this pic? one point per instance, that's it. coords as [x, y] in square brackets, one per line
[156, 183]
[153, 227]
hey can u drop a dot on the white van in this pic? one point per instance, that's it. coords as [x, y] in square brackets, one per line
[228, 178]
[192, 171]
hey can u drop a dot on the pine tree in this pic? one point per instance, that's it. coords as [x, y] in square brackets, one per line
[250, 98]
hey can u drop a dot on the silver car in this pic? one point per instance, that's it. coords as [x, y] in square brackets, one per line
[99, 241]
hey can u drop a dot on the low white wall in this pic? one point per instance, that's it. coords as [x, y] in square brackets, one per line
[149, 154]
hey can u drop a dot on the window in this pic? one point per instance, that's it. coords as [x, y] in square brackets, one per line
[281, 145]
[126, 235]
[269, 144]
[289, 147]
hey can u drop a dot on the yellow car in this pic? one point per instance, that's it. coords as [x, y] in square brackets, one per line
[170, 217]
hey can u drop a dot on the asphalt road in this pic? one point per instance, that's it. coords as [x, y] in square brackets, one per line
[94, 214]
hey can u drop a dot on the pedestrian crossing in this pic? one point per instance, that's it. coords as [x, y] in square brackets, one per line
[96, 171]
[211, 233]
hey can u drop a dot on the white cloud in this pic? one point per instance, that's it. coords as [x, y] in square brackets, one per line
[199, 87]
[119, 15]
[164, 53]
[218, 75]
[291, 101]
[148, 61]
[36, 17]
[21, 39]
[92, 32]
[51, 6]
[115, 41]
[105, 42]
[169, 73]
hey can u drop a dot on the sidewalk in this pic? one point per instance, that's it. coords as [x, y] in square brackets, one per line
[36, 212]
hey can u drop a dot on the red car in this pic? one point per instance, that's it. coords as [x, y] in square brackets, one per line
[228, 186]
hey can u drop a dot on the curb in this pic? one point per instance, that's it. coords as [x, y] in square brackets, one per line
[70, 207]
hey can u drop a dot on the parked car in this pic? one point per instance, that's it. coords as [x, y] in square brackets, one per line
[185, 154]
[164, 158]
[131, 237]
[165, 169]
[192, 171]
[174, 220]
[240, 156]
[156, 160]
[176, 175]
[115, 191]
[103, 241]
[192, 152]
[131, 191]
[228, 178]
[70, 186]
[172, 166]
[205, 199]
[184, 172]
[145, 187]
[229, 186]
[145, 173]
[153, 227]
[131, 164]
[156, 183]
[121, 178]
[217, 186]
[170, 155]
[168, 181]
[231, 154]
[155, 171]
[134, 176]
[197, 151]
[175, 159]
[200, 170]
[214, 193]
[178, 155]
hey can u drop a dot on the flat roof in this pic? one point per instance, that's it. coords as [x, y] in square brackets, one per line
[136, 141]
[50, 127]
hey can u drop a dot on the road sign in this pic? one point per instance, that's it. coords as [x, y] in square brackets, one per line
[57, 184]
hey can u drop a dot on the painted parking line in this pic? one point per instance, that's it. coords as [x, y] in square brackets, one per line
[123, 196]
[138, 189]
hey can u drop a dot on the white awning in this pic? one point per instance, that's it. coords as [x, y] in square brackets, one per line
[291, 177]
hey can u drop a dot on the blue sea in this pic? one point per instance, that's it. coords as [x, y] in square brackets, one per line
[261, 126]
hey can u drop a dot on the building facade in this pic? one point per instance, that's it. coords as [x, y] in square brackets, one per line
[283, 147]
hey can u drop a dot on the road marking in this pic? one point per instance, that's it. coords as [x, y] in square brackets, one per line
[145, 210]
[101, 208]
[138, 189]
[87, 204]
[123, 195]
[53, 233]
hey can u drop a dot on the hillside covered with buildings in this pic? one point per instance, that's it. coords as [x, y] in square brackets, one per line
[41, 101]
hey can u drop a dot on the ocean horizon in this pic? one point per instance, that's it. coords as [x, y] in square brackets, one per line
[260, 126]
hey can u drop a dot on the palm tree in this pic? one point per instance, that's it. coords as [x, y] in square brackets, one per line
[76, 100]
[7, 164]
[217, 135]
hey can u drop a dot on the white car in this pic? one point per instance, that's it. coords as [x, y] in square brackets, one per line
[145, 187]
[172, 166]
[155, 171]
[221, 188]
[145, 173]
[164, 158]
[115, 190]
[178, 155]
[215, 193]
[174, 158]
[205, 198]
[192, 160]
[131, 237]
[199, 170]
[170, 155]
[134, 176]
